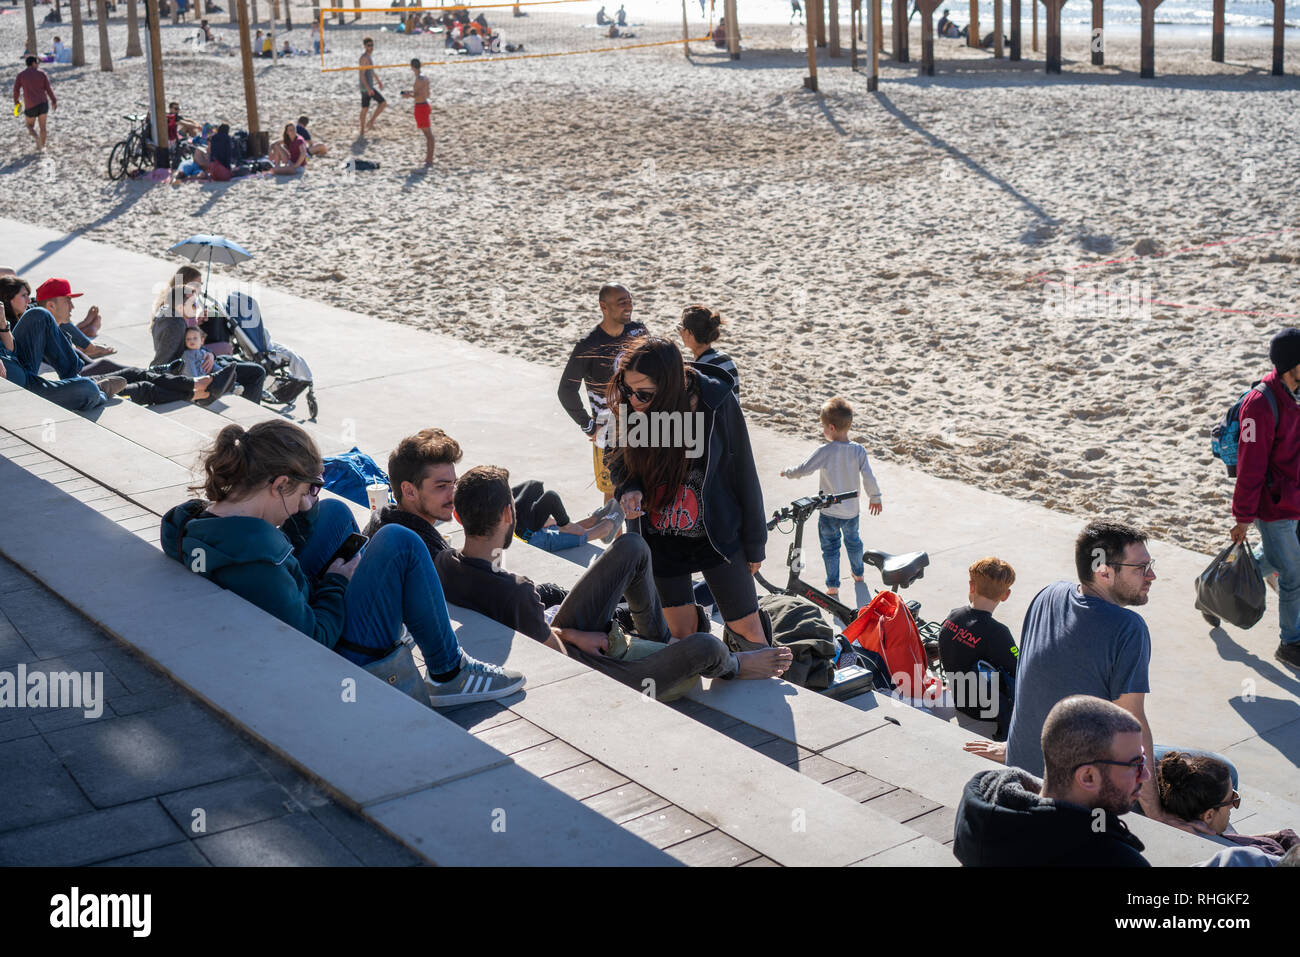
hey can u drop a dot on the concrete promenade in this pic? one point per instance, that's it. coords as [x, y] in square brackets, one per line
[377, 381]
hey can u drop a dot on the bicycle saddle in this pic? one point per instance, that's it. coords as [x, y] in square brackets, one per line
[899, 570]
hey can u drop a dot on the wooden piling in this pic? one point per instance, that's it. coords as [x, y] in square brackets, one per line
[132, 30]
[250, 88]
[973, 33]
[1148, 69]
[1053, 14]
[1015, 29]
[1216, 39]
[1034, 4]
[820, 6]
[686, 33]
[30, 13]
[810, 32]
[105, 52]
[1097, 42]
[878, 21]
[78, 39]
[873, 48]
[1279, 34]
[833, 26]
[855, 12]
[899, 15]
[927, 8]
[158, 104]
[997, 29]
[733, 29]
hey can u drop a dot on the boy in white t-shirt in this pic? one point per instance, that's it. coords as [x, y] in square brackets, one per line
[842, 463]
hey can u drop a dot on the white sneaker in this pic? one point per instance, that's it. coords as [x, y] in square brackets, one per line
[477, 681]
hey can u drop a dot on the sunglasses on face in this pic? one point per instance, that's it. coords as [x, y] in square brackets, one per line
[1234, 801]
[642, 395]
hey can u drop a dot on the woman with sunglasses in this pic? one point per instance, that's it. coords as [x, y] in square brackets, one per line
[262, 533]
[1198, 792]
[703, 511]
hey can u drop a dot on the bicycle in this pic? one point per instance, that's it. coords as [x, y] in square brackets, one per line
[133, 152]
[896, 571]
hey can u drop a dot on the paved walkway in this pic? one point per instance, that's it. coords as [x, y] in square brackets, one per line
[378, 381]
[156, 779]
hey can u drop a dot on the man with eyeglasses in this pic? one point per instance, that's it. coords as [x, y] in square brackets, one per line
[1267, 493]
[1084, 639]
[1096, 765]
[591, 364]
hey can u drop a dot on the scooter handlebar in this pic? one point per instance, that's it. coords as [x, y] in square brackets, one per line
[803, 507]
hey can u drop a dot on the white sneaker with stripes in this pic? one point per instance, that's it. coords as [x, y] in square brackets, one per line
[477, 681]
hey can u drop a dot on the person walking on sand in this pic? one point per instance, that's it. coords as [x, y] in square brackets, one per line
[370, 86]
[420, 93]
[37, 96]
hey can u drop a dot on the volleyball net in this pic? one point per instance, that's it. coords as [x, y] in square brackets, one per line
[491, 33]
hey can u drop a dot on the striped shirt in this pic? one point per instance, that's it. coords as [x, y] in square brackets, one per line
[724, 362]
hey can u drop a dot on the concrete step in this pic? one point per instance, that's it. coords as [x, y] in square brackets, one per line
[442, 792]
[210, 418]
[884, 738]
[786, 816]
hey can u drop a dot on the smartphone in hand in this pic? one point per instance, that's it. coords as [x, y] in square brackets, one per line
[351, 545]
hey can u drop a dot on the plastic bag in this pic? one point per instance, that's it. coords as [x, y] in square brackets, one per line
[1232, 588]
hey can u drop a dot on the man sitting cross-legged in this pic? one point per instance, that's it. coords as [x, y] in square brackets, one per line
[473, 578]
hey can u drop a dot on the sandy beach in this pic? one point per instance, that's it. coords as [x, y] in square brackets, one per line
[936, 252]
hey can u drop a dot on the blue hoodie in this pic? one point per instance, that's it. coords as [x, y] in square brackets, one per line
[255, 560]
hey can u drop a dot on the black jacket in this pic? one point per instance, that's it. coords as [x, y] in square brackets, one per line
[392, 515]
[1002, 822]
[733, 499]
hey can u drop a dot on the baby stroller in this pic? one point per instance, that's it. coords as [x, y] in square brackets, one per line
[288, 374]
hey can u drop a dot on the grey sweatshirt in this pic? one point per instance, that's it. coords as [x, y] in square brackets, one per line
[841, 465]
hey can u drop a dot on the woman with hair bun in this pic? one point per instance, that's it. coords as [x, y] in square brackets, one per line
[1196, 790]
[700, 328]
[262, 533]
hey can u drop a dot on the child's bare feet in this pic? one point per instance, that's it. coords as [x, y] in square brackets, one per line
[857, 578]
[832, 591]
[765, 663]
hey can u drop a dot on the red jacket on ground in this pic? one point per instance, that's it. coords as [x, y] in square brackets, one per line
[1268, 468]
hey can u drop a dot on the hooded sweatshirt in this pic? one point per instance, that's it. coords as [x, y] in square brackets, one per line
[255, 560]
[1003, 822]
[734, 519]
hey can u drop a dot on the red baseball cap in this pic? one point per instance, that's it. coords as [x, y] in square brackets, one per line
[54, 288]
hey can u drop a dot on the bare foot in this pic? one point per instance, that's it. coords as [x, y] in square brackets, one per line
[98, 352]
[766, 663]
[832, 591]
[857, 578]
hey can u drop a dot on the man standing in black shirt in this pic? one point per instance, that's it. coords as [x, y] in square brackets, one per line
[978, 652]
[591, 364]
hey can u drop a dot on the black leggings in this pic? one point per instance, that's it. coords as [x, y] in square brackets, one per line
[534, 505]
[731, 583]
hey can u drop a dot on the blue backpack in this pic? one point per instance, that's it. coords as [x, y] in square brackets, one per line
[349, 474]
[1226, 435]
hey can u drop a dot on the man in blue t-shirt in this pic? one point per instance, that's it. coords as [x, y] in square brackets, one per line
[1083, 639]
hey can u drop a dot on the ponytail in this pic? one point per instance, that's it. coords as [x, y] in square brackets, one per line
[241, 460]
[702, 323]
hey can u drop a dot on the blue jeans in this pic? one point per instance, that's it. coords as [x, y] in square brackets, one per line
[829, 531]
[394, 583]
[77, 394]
[1282, 555]
[38, 338]
[553, 540]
